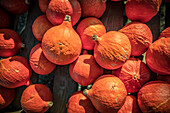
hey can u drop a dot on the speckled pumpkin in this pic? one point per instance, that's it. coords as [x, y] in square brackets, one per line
[165, 33]
[87, 28]
[140, 37]
[43, 4]
[39, 62]
[107, 94]
[61, 44]
[79, 103]
[112, 49]
[36, 98]
[14, 72]
[5, 19]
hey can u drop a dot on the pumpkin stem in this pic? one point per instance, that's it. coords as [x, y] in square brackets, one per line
[104, 0]
[85, 92]
[50, 104]
[22, 45]
[27, 2]
[67, 18]
[95, 37]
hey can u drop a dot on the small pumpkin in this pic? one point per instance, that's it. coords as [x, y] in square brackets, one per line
[40, 26]
[5, 19]
[85, 70]
[133, 73]
[87, 28]
[10, 42]
[39, 62]
[7, 95]
[158, 56]
[107, 94]
[14, 72]
[165, 33]
[112, 49]
[140, 37]
[43, 4]
[36, 98]
[79, 103]
[154, 97]
[142, 10]
[93, 8]
[61, 44]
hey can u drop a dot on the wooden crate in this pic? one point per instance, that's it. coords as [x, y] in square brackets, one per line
[59, 80]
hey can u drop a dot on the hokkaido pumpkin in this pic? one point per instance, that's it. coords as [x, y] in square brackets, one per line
[36, 98]
[5, 19]
[133, 73]
[79, 103]
[154, 97]
[93, 8]
[107, 94]
[14, 72]
[165, 33]
[158, 56]
[10, 42]
[87, 28]
[7, 95]
[40, 26]
[85, 70]
[39, 62]
[43, 4]
[142, 10]
[112, 49]
[61, 44]
[140, 37]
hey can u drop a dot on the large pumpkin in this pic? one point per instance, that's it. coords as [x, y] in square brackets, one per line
[43, 4]
[165, 33]
[61, 44]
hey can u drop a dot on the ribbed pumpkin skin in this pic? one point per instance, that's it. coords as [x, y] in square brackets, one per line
[154, 97]
[43, 4]
[87, 28]
[133, 73]
[5, 19]
[14, 72]
[130, 105]
[10, 42]
[39, 62]
[107, 94]
[61, 44]
[165, 33]
[40, 26]
[158, 56]
[7, 95]
[93, 8]
[85, 70]
[36, 98]
[142, 10]
[140, 37]
[79, 103]
[112, 49]
[15, 7]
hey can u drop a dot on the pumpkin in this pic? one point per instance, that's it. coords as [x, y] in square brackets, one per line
[130, 105]
[107, 94]
[5, 19]
[94, 8]
[87, 28]
[158, 56]
[15, 7]
[140, 37]
[79, 103]
[36, 98]
[142, 10]
[39, 62]
[133, 73]
[165, 78]
[7, 95]
[165, 33]
[61, 44]
[43, 4]
[14, 72]
[40, 26]
[154, 97]
[10, 42]
[112, 49]
[85, 70]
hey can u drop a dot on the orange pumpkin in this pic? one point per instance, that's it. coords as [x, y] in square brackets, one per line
[40, 26]
[43, 4]
[107, 94]
[79, 103]
[140, 37]
[112, 49]
[87, 28]
[61, 44]
[39, 62]
[14, 72]
[5, 19]
[165, 33]
[36, 98]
